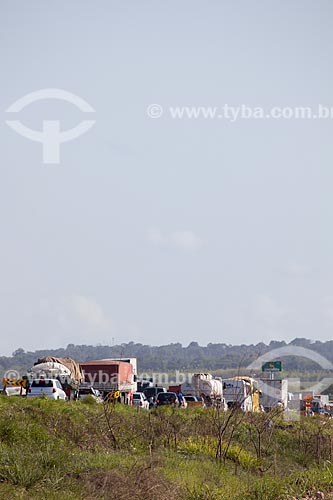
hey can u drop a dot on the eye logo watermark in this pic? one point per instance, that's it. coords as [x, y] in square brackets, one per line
[295, 351]
[51, 136]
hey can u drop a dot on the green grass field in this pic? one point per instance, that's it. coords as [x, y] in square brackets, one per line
[82, 450]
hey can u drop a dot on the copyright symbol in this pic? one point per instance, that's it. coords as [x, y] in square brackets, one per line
[11, 374]
[154, 111]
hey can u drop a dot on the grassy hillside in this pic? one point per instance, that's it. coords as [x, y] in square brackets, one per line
[81, 450]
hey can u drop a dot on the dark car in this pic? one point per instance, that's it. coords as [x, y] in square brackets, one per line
[152, 392]
[167, 398]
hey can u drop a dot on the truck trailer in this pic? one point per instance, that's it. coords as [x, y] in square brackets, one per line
[65, 370]
[111, 376]
[274, 393]
[207, 388]
[238, 394]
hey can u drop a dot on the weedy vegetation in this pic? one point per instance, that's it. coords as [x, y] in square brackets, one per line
[83, 450]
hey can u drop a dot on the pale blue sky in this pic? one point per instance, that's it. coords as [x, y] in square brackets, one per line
[161, 231]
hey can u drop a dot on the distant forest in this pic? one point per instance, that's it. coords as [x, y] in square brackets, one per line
[175, 356]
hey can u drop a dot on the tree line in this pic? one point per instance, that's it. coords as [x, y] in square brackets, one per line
[175, 356]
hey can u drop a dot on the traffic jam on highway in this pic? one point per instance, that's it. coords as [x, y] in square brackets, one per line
[115, 380]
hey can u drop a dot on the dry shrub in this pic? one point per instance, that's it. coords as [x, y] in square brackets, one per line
[140, 483]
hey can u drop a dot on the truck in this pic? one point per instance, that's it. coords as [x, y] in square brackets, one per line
[187, 389]
[238, 393]
[133, 362]
[251, 388]
[274, 393]
[66, 370]
[208, 388]
[114, 378]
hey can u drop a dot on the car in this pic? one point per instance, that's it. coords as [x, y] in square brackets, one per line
[193, 402]
[48, 387]
[85, 392]
[167, 398]
[152, 392]
[140, 400]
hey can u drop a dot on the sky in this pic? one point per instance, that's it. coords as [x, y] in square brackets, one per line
[158, 229]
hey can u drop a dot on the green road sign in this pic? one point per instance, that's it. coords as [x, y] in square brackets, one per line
[272, 366]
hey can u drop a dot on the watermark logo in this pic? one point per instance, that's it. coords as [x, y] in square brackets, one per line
[12, 374]
[51, 136]
[301, 352]
[271, 392]
[154, 111]
[233, 113]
